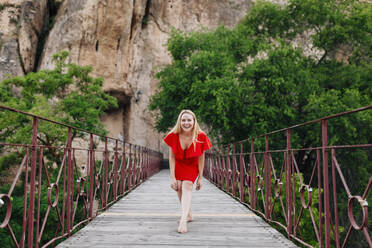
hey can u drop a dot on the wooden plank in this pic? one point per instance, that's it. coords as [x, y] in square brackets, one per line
[148, 217]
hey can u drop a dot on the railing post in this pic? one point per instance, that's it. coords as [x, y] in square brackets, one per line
[69, 183]
[288, 183]
[105, 175]
[135, 166]
[242, 176]
[220, 178]
[142, 165]
[234, 172]
[320, 198]
[327, 211]
[144, 168]
[32, 184]
[123, 170]
[253, 176]
[215, 168]
[129, 174]
[91, 176]
[267, 177]
[116, 171]
[228, 177]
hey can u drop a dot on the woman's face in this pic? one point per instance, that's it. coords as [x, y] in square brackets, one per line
[187, 122]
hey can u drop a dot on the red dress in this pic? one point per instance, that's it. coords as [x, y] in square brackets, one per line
[186, 164]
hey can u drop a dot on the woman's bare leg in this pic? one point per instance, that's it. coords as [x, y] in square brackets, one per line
[179, 190]
[186, 205]
[179, 194]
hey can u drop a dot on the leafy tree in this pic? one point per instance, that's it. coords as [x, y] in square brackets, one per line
[67, 94]
[282, 65]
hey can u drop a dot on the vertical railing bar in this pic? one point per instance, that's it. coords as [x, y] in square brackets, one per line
[319, 197]
[64, 200]
[91, 175]
[123, 170]
[73, 182]
[326, 184]
[134, 166]
[233, 174]
[24, 221]
[32, 183]
[253, 176]
[105, 175]
[335, 198]
[220, 179]
[293, 177]
[227, 169]
[129, 174]
[288, 183]
[267, 177]
[38, 200]
[115, 170]
[69, 186]
[242, 173]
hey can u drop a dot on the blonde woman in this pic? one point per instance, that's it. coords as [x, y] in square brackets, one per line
[187, 144]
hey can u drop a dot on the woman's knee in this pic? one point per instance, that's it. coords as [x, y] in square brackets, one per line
[187, 185]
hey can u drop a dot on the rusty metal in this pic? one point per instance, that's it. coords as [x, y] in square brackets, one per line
[71, 193]
[259, 183]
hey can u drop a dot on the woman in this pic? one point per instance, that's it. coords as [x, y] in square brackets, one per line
[187, 143]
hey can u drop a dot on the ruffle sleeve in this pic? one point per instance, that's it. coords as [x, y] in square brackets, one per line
[172, 140]
[206, 143]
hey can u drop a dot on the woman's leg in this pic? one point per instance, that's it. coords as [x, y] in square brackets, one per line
[179, 194]
[179, 190]
[186, 205]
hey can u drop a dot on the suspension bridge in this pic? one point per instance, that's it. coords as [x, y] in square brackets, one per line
[105, 192]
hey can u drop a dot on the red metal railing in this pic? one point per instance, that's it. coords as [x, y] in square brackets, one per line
[86, 186]
[270, 182]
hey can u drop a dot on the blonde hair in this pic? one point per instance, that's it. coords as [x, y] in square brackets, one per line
[196, 129]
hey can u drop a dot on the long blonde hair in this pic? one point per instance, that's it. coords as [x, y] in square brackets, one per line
[196, 129]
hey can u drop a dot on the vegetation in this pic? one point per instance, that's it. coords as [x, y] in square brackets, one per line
[282, 65]
[67, 94]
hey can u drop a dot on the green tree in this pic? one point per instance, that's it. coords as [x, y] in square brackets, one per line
[67, 94]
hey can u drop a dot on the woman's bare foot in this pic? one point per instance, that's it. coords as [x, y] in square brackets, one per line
[182, 228]
[189, 219]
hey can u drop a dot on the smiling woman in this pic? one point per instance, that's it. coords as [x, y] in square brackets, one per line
[187, 144]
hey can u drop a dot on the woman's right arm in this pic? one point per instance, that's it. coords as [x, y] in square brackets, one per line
[172, 162]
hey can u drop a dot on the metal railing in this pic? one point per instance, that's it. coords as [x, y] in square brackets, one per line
[271, 182]
[91, 174]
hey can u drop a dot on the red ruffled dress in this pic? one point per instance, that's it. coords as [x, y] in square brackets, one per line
[186, 164]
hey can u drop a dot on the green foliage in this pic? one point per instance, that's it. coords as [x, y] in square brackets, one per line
[66, 94]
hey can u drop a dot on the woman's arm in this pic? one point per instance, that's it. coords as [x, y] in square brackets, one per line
[201, 168]
[172, 166]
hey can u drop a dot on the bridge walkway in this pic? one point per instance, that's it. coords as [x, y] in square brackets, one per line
[148, 217]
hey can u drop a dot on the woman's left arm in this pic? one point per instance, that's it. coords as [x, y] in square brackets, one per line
[201, 168]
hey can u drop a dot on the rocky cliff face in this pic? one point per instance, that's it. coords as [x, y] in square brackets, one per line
[124, 41]
[21, 24]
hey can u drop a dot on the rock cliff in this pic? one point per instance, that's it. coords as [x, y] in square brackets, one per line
[123, 40]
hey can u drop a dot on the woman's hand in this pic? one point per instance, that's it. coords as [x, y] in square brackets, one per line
[198, 184]
[174, 184]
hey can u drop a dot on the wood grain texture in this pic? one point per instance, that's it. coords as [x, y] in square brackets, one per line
[148, 217]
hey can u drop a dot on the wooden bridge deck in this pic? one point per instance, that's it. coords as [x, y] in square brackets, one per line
[148, 216]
